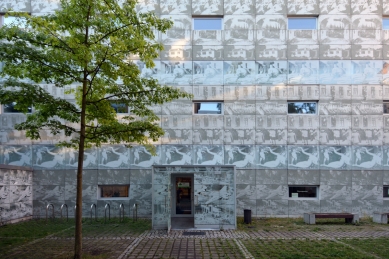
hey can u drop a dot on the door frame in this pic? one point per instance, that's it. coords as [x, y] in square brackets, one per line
[173, 195]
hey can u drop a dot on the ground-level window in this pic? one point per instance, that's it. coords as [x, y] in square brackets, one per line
[303, 192]
[207, 23]
[302, 23]
[386, 192]
[306, 107]
[11, 108]
[207, 107]
[114, 191]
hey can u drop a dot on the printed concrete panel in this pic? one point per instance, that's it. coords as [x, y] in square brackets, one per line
[303, 129]
[385, 206]
[303, 51]
[303, 177]
[180, 22]
[141, 176]
[145, 6]
[366, 72]
[335, 192]
[271, 22]
[208, 37]
[303, 157]
[113, 176]
[334, 7]
[335, 37]
[49, 193]
[367, 51]
[208, 155]
[385, 55]
[303, 72]
[239, 22]
[335, 177]
[245, 204]
[206, 92]
[49, 177]
[271, 122]
[335, 72]
[367, 93]
[43, 6]
[20, 177]
[176, 122]
[370, 129]
[239, 73]
[337, 131]
[274, 157]
[334, 22]
[22, 5]
[239, 107]
[117, 156]
[175, 72]
[5, 176]
[20, 193]
[299, 207]
[367, 192]
[271, 52]
[89, 193]
[207, 52]
[238, 52]
[208, 136]
[336, 95]
[385, 7]
[385, 138]
[333, 108]
[276, 92]
[371, 37]
[239, 37]
[367, 177]
[272, 207]
[303, 37]
[176, 37]
[335, 206]
[177, 155]
[271, 136]
[175, 6]
[141, 157]
[239, 92]
[4, 195]
[335, 52]
[245, 176]
[367, 108]
[240, 156]
[141, 192]
[207, 72]
[335, 157]
[271, 36]
[183, 107]
[204, 7]
[239, 136]
[303, 92]
[366, 207]
[366, 7]
[207, 121]
[272, 176]
[271, 108]
[176, 52]
[246, 192]
[272, 192]
[16, 155]
[271, 72]
[15, 211]
[9, 120]
[239, 7]
[369, 157]
[368, 22]
[271, 7]
[303, 7]
[385, 158]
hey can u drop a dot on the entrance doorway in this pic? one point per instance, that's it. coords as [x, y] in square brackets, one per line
[182, 201]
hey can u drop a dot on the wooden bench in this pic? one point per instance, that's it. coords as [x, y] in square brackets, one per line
[310, 218]
[380, 217]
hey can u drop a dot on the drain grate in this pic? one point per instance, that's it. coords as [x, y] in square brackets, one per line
[187, 233]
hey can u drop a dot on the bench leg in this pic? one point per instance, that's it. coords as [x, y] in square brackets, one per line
[309, 218]
[355, 218]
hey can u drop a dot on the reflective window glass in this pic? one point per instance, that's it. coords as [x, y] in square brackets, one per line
[10, 108]
[303, 191]
[386, 192]
[207, 23]
[385, 23]
[302, 107]
[208, 108]
[119, 107]
[302, 23]
[114, 191]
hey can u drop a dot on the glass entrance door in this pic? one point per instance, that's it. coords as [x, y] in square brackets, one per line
[183, 196]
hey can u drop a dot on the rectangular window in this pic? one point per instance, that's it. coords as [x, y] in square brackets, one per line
[385, 106]
[386, 192]
[385, 23]
[302, 107]
[208, 107]
[114, 191]
[10, 108]
[298, 192]
[119, 107]
[207, 23]
[302, 23]
[11, 19]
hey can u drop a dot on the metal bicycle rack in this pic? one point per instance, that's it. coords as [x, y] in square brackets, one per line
[105, 212]
[91, 207]
[67, 212]
[47, 209]
[135, 212]
[121, 212]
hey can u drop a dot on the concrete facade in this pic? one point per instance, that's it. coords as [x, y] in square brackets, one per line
[255, 65]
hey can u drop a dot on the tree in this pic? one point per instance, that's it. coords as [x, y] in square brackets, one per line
[86, 43]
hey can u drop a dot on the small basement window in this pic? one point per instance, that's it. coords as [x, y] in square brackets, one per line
[386, 192]
[302, 107]
[302, 23]
[208, 107]
[114, 191]
[10, 108]
[297, 192]
[207, 23]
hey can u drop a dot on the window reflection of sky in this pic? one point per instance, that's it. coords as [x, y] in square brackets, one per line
[302, 23]
[385, 23]
[207, 24]
[208, 108]
[302, 108]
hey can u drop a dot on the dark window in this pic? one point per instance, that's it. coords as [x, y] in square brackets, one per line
[302, 107]
[303, 191]
[207, 23]
[386, 192]
[119, 107]
[302, 23]
[385, 23]
[207, 107]
[385, 107]
[10, 108]
[114, 191]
